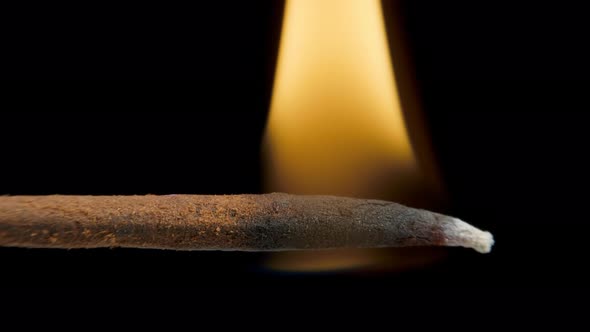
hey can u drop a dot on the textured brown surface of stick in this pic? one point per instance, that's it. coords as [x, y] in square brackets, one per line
[234, 222]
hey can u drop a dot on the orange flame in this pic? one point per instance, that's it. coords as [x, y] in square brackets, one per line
[336, 124]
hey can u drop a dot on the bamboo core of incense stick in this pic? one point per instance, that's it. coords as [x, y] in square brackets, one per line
[269, 222]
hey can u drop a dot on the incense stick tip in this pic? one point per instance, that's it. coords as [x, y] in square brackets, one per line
[460, 233]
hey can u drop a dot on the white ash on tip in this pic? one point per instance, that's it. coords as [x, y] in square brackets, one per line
[461, 234]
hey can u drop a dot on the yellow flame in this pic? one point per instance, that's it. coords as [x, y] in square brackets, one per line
[336, 125]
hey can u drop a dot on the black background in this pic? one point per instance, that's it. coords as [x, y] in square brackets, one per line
[164, 98]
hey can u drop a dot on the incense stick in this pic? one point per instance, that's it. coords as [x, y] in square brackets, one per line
[270, 222]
